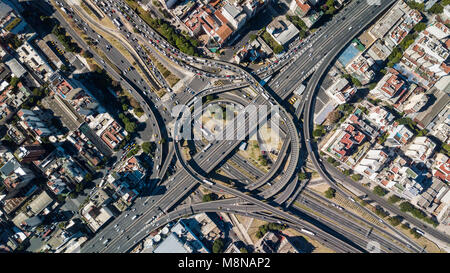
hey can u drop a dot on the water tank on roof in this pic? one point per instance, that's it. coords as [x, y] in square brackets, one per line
[157, 238]
[165, 230]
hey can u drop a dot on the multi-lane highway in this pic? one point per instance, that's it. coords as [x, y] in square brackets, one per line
[303, 59]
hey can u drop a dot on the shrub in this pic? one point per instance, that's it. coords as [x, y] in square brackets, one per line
[330, 193]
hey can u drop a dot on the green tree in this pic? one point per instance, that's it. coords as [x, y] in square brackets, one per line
[421, 26]
[147, 147]
[347, 172]
[73, 195]
[405, 226]
[60, 198]
[87, 54]
[64, 68]
[372, 85]
[218, 246]
[436, 9]
[379, 191]
[394, 199]
[356, 177]
[330, 193]
[130, 127]
[395, 220]
[302, 176]
[14, 81]
[79, 187]
[88, 178]
[278, 49]
[243, 250]
[356, 82]
[406, 206]
[253, 37]
[209, 197]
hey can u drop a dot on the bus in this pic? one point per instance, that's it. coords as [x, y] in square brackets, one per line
[117, 22]
[308, 232]
[420, 232]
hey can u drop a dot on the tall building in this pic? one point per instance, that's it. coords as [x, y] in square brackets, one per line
[29, 153]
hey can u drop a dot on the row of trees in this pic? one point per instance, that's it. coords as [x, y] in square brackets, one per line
[184, 43]
[65, 40]
[263, 229]
[412, 125]
[276, 47]
[134, 151]
[298, 23]
[408, 207]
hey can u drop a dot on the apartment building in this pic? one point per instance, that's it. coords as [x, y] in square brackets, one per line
[380, 117]
[362, 68]
[391, 87]
[399, 136]
[30, 56]
[12, 98]
[34, 121]
[420, 149]
[372, 162]
[340, 91]
[426, 59]
[344, 142]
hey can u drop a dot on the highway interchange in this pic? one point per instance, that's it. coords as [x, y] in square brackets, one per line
[300, 62]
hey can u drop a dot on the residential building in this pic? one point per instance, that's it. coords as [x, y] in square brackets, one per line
[344, 143]
[373, 161]
[10, 21]
[179, 239]
[380, 117]
[275, 243]
[440, 125]
[340, 91]
[96, 217]
[430, 198]
[32, 120]
[420, 149]
[362, 68]
[401, 177]
[212, 22]
[399, 136]
[415, 103]
[235, 15]
[107, 129]
[441, 167]
[12, 98]
[31, 57]
[379, 51]
[299, 7]
[29, 153]
[390, 87]
[426, 59]
[282, 31]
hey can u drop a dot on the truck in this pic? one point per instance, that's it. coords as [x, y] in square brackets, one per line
[208, 182]
[207, 147]
[265, 95]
